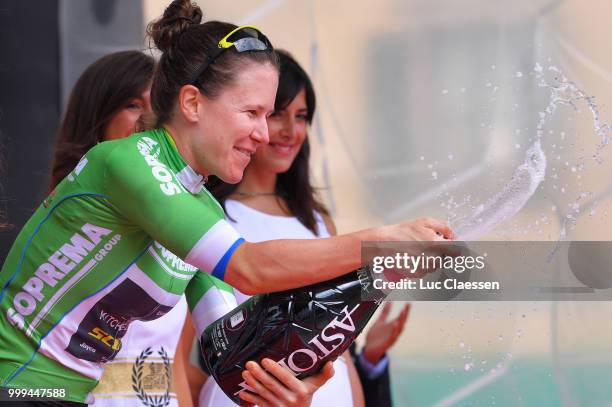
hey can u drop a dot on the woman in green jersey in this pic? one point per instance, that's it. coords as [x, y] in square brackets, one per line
[111, 100]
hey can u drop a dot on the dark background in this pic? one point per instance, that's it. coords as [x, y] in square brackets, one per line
[44, 47]
[29, 106]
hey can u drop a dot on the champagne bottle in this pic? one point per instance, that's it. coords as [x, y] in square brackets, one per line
[301, 329]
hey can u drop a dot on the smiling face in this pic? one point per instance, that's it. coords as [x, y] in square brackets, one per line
[287, 129]
[126, 120]
[233, 125]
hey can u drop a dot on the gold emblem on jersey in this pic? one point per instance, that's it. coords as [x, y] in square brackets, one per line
[105, 338]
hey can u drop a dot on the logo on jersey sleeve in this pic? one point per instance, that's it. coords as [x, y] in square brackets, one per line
[98, 337]
[150, 150]
[172, 260]
[77, 170]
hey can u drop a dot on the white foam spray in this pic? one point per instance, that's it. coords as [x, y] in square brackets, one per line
[528, 176]
[509, 200]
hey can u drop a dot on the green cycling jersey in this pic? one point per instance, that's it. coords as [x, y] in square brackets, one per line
[105, 249]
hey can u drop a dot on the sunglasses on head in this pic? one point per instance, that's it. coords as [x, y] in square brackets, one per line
[243, 38]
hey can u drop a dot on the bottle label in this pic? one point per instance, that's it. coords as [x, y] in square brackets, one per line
[300, 329]
[219, 339]
[236, 319]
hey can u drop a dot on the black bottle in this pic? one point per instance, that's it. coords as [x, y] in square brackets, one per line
[301, 329]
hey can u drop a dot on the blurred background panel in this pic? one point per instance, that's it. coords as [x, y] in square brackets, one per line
[90, 29]
[45, 48]
[425, 108]
[29, 107]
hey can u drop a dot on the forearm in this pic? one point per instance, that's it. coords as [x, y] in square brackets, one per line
[196, 379]
[278, 265]
[356, 386]
[181, 360]
[181, 383]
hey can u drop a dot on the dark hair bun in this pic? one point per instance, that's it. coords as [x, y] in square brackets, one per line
[178, 17]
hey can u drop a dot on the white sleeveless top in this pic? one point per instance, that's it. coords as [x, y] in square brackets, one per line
[256, 226]
[141, 373]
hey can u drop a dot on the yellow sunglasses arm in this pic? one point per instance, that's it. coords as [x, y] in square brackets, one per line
[224, 43]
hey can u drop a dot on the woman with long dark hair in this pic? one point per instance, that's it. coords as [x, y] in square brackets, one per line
[283, 164]
[276, 199]
[110, 100]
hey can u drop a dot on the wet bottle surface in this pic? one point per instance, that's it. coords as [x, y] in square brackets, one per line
[301, 329]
